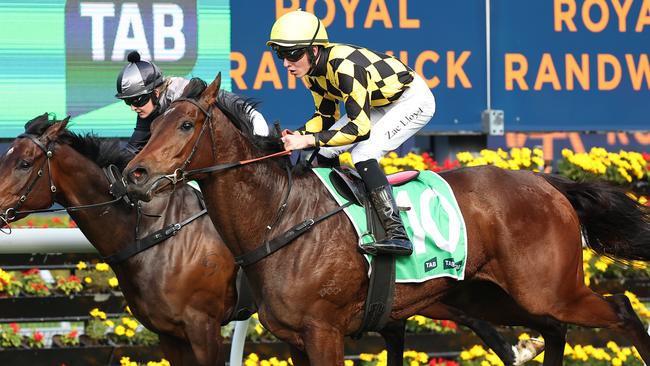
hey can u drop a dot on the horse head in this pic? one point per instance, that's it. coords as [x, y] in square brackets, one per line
[181, 139]
[28, 180]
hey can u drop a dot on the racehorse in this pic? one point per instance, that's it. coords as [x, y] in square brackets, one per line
[525, 233]
[183, 288]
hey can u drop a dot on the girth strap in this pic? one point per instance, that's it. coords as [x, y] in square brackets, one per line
[245, 305]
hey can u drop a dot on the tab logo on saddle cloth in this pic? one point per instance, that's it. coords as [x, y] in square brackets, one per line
[434, 223]
[431, 264]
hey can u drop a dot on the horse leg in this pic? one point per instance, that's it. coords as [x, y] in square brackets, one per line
[489, 336]
[393, 334]
[554, 341]
[177, 351]
[614, 312]
[324, 345]
[298, 357]
[204, 335]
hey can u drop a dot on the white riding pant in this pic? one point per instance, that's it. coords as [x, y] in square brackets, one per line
[391, 125]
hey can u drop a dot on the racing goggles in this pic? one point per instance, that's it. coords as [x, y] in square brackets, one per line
[290, 54]
[138, 101]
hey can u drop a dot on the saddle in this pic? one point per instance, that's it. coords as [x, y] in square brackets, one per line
[348, 183]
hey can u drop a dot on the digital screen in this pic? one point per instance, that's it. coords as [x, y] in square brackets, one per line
[63, 57]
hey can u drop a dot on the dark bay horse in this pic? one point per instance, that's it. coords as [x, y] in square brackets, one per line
[524, 231]
[184, 287]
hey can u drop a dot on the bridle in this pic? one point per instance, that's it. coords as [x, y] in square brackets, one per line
[181, 174]
[11, 213]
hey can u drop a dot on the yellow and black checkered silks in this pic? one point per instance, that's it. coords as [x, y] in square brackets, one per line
[359, 77]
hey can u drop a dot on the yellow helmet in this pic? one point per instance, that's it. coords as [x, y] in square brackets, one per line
[298, 28]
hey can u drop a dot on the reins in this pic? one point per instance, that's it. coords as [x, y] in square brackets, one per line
[268, 247]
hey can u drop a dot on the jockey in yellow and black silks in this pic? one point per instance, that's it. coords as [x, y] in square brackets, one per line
[385, 101]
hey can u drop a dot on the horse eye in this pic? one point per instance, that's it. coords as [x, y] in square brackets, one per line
[24, 164]
[186, 126]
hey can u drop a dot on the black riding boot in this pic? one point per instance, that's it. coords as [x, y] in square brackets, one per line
[396, 241]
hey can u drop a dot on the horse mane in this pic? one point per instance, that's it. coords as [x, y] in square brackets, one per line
[101, 151]
[239, 111]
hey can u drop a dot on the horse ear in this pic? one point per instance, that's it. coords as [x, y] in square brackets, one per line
[210, 93]
[55, 129]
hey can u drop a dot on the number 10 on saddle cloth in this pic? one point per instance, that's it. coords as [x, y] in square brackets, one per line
[434, 223]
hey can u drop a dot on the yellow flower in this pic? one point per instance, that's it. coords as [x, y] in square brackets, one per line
[129, 333]
[259, 329]
[366, 357]
[128, 310]
[96, 313]
[566, 153]
[253, 356]
[348, 363]
[119, 330]
[113, 282]
[600, 265]
[102, 267]
[524, 336]
[617, 362]
[465, 356]
[477, 351]
[88, 280]
[82, 265]
[109, 323]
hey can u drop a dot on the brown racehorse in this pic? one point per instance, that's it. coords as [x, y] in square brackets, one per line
[183, 288]
[524, 234]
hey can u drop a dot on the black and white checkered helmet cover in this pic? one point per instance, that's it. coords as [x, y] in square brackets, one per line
[138, 77]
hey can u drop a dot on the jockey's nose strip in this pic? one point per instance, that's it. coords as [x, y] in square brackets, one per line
[137, 175]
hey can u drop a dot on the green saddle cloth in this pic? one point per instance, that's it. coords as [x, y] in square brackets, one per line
[434, 224]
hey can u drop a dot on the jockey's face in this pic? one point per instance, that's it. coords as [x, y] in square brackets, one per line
[301, 67]
[145, 110]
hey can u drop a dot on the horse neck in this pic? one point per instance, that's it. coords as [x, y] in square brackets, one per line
[243, 200]
[84, 183]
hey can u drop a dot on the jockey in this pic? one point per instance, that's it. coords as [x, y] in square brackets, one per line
[143, 87]
[386, 103]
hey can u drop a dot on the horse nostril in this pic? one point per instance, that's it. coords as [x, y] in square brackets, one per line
[137, 175]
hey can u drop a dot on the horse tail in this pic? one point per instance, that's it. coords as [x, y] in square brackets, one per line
[613, 224]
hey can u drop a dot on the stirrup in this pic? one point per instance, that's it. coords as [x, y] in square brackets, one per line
[367, 248]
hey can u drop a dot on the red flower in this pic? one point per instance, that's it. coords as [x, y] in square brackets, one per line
[72, 224]
[442, 362]
[15, 327]
[448, 324]
[74, 278]
[56, 220]
[38, 336]
[73, 333]
[31, 271]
